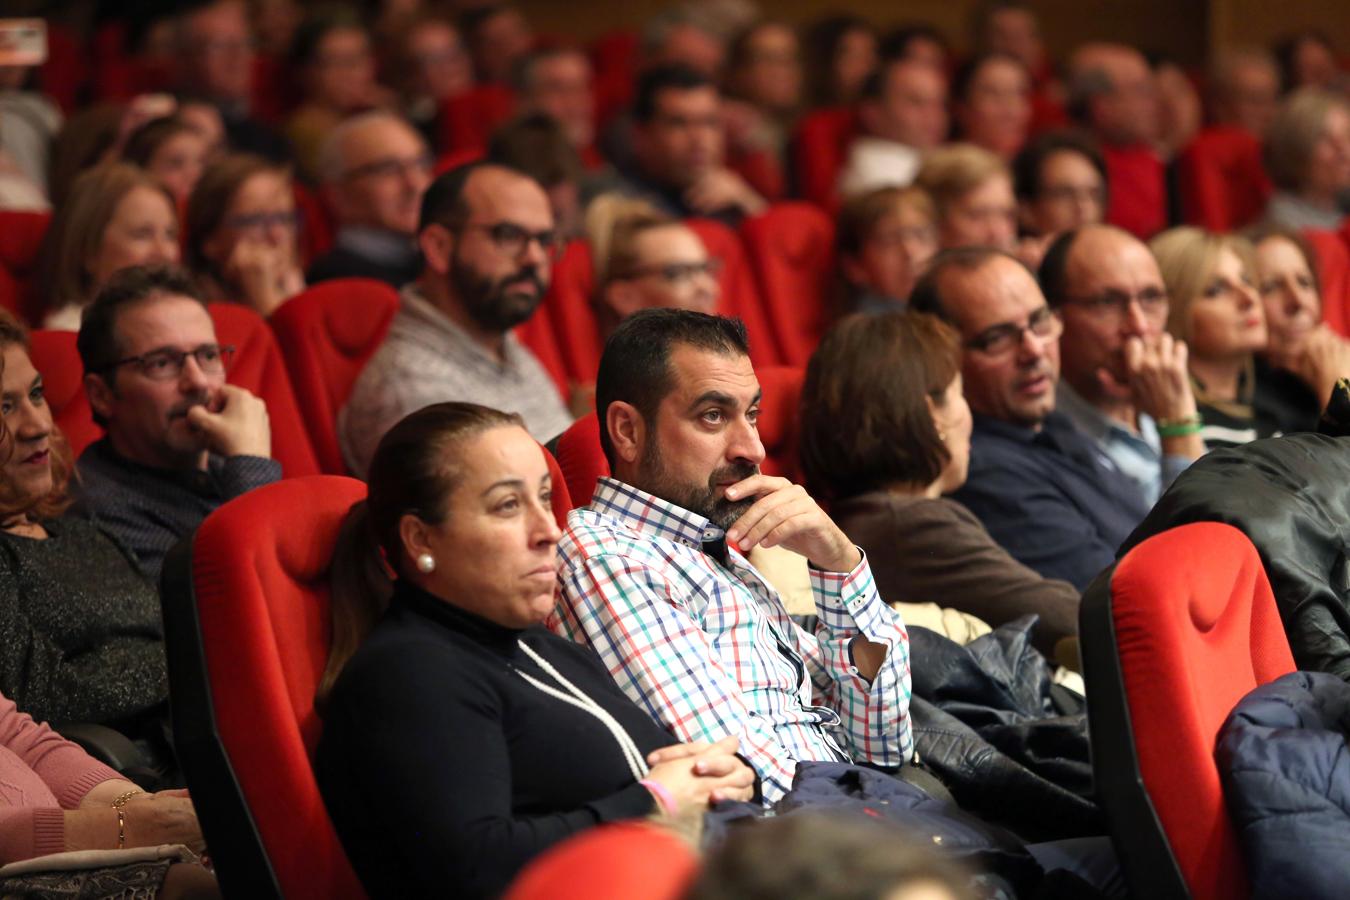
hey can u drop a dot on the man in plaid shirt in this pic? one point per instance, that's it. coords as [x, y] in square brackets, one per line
[654, 577]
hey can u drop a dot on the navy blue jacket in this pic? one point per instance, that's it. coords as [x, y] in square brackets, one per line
[1049, 497]
[1286, 776]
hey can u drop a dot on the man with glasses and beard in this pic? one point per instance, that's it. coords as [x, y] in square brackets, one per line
[487, 239]
[1041, 487]
[180, 441]
[654, 575]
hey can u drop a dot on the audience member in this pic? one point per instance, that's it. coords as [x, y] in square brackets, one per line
[433, 66]
[1304, 358]
[179, 440]
[1307, 60]
[884, 240]
[460, 737]
[1216, 309]
[330, 55]
[170, 151]
[241, 225]
[903, 116]
[1244, 90]
[80, 625]
[1042, 488]
[827, 856]
[680, 36]
[679, 150]
[498, 35]
[973, 195]
[214, 48]
[1123, 378]
[1307, 154]
[1060, 182]
[63, 800]
[204, 118]
[1112, 92]
[764, 89]
[557, 81]
[488, 244]
[841, 52]
[1180, 112]
[375, 169]
[115, 216]
[885, 432]
[1010, 27]
[654, 578]
[919, 42]
[536, 145]
[992, 97]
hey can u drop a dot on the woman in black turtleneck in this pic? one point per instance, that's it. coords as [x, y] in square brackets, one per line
[460, 737]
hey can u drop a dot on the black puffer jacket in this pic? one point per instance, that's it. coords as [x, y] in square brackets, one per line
[1291, 496]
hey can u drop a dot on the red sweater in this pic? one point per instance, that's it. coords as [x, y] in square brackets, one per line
[1138, 190]
[41, 775]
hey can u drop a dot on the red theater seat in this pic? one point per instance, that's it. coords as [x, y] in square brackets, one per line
[1332, 249]
[55, 356]
[316, 226]
[327, 335]
[740, 294]
[623, 861]
[580, 458]
[1223, 184]
[820, 149]
[247, 631]
[569, 311]
[791, 251]
[1172, 637]
[21, 236]
[467, 120]
[1138, 190]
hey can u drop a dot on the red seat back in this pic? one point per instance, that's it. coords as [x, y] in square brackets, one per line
[622, 861]
[248, 630]
[316, 226]
[1138, 190]
[580, 458]
[468, 119]
[21, 236]
[1223, 184]
[569, 309]
[791, 251]
[740, 294]
[54, 355]
[327, 334]
[1332, 249]
[1182, 629]
[819, 150]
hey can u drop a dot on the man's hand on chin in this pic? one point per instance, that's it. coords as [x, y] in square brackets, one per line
[786, 516]
[237, 425]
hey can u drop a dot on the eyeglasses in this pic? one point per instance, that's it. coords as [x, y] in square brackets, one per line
[1068, 193]
[512, 240]
[678, 273]
[167, 365]
[1002, 339]
[1115, 305]
[256, 222]
[392, 167]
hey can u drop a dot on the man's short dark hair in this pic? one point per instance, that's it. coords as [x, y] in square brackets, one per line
[635, 366]
[1028, 165]
[536, 145]
[664, 78]
[443, 202]
[928, 296]
[1054, 271]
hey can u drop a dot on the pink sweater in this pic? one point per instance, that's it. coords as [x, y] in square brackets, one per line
[41, 775]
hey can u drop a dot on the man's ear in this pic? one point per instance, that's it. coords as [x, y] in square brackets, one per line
[437, 244]
[627, 431]
[101, 396]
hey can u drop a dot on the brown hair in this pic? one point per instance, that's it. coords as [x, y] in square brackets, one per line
[861, 213]
[76, 231]
[415, 469]
[210, 201]
[143, 143]
[58, 499]
[866, 422]
[1294, 133]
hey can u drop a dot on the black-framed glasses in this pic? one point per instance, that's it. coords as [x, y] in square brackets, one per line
[1111, 304]
[512, 240]
[678, 273]
[167, 365]
[1002, 339]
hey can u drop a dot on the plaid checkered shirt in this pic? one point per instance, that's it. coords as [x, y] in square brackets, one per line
[709, 650]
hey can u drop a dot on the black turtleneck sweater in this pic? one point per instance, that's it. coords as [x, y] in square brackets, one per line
[445, 771]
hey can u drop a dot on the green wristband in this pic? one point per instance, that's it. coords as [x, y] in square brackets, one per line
[1186, 427]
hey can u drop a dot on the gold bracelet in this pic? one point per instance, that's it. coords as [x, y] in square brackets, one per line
[121, 829]
[121, 799]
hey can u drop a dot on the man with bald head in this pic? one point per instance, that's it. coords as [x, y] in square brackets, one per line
[1040, 486]
[488, 242]
[375, 167]
[1123, 380]
[1112, 93]
[903, 115]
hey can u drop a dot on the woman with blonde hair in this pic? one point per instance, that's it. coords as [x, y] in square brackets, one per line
[1216, 309]
[114, 216]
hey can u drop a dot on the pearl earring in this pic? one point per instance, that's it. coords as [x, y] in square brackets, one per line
[426, 563]
[942, 436]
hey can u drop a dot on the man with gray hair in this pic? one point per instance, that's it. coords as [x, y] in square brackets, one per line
[1244, 86]
[375, 168]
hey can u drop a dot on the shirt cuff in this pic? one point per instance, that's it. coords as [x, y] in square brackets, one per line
[848, 602]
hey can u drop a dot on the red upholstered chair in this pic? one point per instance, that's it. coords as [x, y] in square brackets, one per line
[791, 252]
[624, 861]
[258, 366]
[468, 119]
[819, 150]
[1332, 249]
[580, 458]
[1223, 184]
[316, 228]
[247, 634]
[21, 235]
[1138, 188]
[571, 315]
[782, 387]
[740, 294]
[1172, 637]
[327, 334]
[536, 333]
[55, 356]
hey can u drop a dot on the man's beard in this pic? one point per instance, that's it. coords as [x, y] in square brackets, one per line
[701, 499]
[490, 302]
